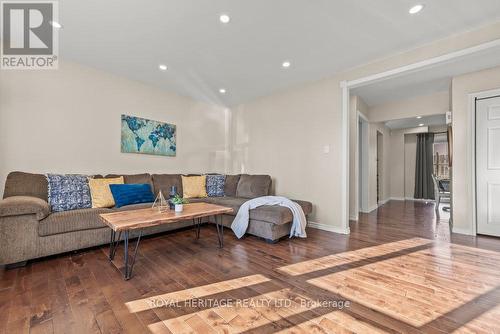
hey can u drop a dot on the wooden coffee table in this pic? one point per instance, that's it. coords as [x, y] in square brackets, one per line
[126, 221]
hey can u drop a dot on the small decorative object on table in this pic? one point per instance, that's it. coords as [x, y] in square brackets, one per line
[160, 203]
[179, 203]
[173, 193]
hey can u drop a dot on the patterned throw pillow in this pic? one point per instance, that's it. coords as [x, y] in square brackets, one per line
[215, 185]
[68, 192]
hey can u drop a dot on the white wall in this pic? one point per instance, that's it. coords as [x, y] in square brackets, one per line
[427, 105]
[410, 162]
[462, 86]
[284, 135]
[68, 121]
[396, 158]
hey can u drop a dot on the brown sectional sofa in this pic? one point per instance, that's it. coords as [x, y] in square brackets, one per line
[28, 229]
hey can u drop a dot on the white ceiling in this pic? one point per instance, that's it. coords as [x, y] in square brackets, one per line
[320, 38]
[406, 123]
[427, 81]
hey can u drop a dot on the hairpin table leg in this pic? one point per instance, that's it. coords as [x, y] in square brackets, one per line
[114, 244]
[127, 274]
[220, 230]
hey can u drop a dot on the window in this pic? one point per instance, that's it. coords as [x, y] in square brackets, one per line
[441, 162]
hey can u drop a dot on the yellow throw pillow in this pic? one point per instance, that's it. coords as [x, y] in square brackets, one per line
[194, 186]
[100, 192]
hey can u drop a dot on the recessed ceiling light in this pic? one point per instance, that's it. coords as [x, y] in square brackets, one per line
[55, 24]
[162, 67]
[416, 9]
[222, 91]
[286, 64]
[421, 124]
[419, 117]
[224, 18]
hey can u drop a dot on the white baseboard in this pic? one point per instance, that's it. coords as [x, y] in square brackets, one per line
[370, 209]
[397, 199]
[329, 228]
[374, 207]
[419, 199]
[382, 202]
[459, 230]
[354, 217]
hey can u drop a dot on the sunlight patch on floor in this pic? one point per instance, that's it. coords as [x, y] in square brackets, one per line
[419, 287]
[196, 292]
[339, 259]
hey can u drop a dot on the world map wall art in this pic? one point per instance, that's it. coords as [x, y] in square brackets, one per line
[145, 136]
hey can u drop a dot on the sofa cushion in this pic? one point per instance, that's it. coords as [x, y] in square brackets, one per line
[134, 178]
[24, 205]
[252, 186]
[133, 207]
[71, 221]
[231, 202]
[230, 185]
[26, 184]
[68, 192]
[164, 182]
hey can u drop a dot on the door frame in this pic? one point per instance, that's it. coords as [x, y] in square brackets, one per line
[361, 118]
[471, 153]
[380, 164]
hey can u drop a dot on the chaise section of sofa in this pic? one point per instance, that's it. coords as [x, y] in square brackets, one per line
[28, 229]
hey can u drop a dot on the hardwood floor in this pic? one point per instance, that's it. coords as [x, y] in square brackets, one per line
[398, 271]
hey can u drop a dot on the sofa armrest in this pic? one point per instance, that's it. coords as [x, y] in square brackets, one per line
[24, 205]
[306, 206]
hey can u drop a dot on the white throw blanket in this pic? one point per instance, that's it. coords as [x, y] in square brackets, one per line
[240, 223]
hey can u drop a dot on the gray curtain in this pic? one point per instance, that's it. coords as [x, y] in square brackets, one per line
[424, 187]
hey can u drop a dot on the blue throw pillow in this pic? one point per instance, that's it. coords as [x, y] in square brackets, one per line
[215, 185]
[68, 192]
[126, 194]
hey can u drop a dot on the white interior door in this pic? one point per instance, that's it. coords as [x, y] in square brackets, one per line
[488, 166]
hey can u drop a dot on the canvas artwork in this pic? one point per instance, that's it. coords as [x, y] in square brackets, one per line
[145, 136]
